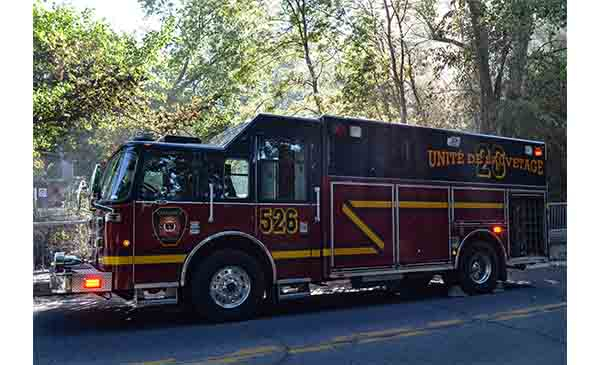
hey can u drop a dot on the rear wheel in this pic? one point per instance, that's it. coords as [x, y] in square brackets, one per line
[228, 285]
[478, 270]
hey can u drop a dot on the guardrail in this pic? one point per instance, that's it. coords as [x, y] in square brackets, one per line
[557, 222]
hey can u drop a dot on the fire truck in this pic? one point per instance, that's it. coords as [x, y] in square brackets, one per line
[271, 206]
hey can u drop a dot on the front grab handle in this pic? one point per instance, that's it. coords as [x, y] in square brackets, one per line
[318, 198]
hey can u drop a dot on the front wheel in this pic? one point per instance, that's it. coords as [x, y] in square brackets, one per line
[478, 270]
[228, 285]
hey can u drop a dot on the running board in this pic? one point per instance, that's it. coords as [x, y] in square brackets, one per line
[147, 297]
[293, 288]
[530, 260]
[339, 274]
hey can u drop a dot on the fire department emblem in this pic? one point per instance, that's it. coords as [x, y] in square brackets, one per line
[169, 225]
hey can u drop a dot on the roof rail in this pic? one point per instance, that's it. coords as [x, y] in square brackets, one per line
[179, 139]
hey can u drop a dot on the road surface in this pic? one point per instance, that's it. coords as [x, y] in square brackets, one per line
[526, 323]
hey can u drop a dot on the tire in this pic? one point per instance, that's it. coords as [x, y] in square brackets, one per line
[478, 269]
[229, 285]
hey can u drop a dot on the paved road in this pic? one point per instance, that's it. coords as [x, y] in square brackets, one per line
[523, 324]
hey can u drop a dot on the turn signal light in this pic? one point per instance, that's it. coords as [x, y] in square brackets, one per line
[91, 283]
[497, 229]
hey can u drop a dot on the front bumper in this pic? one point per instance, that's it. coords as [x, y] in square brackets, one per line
[82, 278]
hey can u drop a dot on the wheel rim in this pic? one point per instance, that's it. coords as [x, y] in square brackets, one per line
[480, 268]
[230, 287]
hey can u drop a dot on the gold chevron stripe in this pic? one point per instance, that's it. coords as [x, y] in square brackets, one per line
[363, 227]
[370, 204]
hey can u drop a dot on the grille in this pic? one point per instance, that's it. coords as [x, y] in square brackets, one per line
[527, 226]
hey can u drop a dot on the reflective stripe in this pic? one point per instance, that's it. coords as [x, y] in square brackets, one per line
[363, 227]
[277, 255]
[301, 254]
[417, 204]
[154, 259]
[424, 204]
[370, 204]
[478, 205]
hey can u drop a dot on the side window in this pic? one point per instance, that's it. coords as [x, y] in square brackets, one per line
[282, 169]
[167, 176]
[235, 178]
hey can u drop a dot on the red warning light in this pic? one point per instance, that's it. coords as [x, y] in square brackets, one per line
[538, 152]
[92, 283]
[341, 130]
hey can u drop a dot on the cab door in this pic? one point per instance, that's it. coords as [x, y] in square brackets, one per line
[287, 188]
[165, 206]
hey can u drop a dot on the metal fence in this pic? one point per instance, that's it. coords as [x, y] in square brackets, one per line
[558, 215]
[45, 239]
[557, 222]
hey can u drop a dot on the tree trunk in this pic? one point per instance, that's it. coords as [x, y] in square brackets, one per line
[396, 77]
[521, 37]
[413, 86]
[488, 103]
[314, 80]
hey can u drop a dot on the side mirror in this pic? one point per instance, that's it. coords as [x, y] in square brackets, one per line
[95, 183]
[81, 190]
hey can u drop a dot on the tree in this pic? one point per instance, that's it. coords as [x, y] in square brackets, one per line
[213, 59]
[309, 31]
[83, 74]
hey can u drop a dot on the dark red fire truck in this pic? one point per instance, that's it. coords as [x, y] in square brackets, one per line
[277, 203]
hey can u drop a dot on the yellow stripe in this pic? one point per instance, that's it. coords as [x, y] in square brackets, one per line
[302, 254]
[370, 204]
[154, 259]
[349, 251]
[363, 227]
[295, 254]
[424, 204]
[277, 255]
[479, 205]
[401, 204]
[420, 204]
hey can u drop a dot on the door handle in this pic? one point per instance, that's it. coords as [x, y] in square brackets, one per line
[210, 207]
[318, 198]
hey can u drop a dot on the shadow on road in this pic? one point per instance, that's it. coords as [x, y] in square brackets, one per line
[77, 314]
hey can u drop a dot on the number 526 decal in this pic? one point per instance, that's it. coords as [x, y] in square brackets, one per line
[278, 220]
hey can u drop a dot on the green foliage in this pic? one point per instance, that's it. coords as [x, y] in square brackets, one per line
[217, 62]
[85, 76]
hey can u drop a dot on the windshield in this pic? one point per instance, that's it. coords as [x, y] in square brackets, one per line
[118, 176]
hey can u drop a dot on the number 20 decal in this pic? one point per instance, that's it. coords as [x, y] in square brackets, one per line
[278, 220]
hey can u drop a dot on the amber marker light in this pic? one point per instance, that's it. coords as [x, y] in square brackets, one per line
[537, 152]
[126, 243]
[497, 229]
[91, 283]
